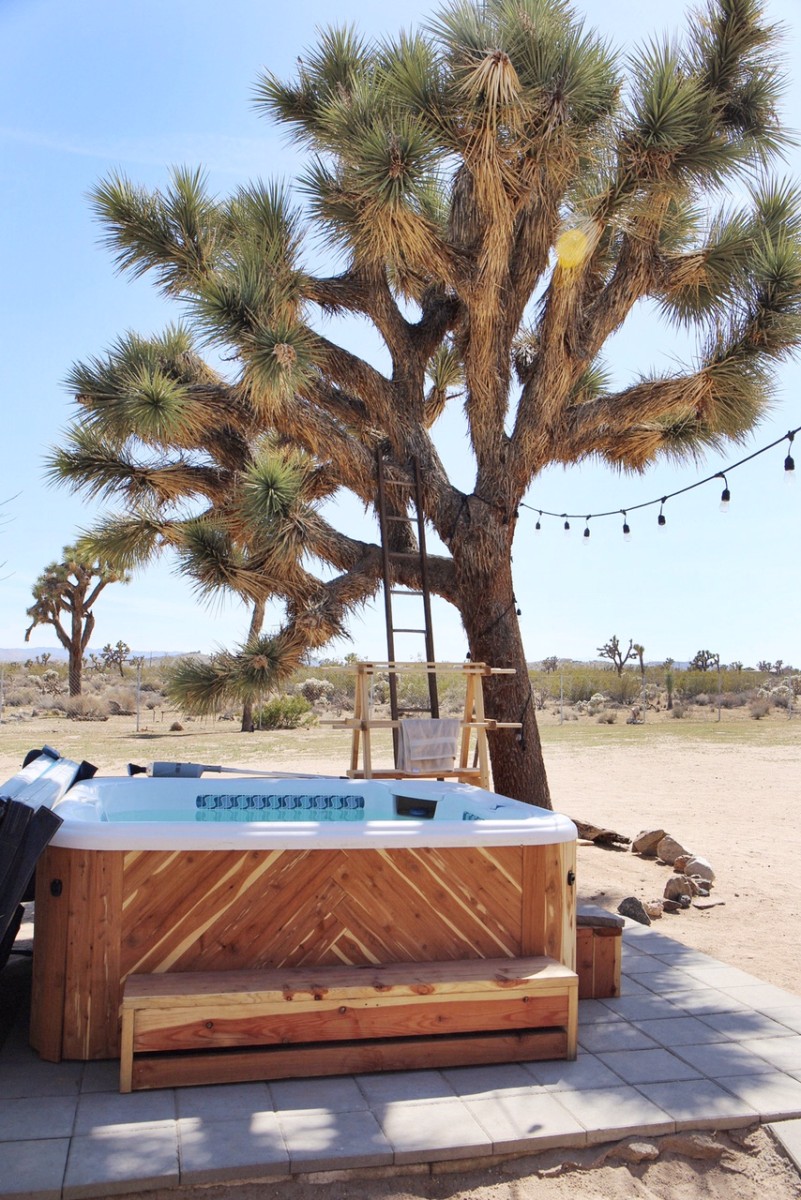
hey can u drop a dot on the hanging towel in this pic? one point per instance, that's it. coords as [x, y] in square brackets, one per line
[428, 745]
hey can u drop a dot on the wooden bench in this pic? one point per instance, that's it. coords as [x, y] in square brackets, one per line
[233, 1026]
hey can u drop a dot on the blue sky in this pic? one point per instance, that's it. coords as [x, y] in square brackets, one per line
[90, 87]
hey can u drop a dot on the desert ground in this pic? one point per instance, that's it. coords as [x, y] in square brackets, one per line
[728, 792]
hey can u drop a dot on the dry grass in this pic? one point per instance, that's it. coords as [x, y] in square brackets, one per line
[111, 744]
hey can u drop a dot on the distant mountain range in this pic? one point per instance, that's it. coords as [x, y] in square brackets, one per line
[59, 654]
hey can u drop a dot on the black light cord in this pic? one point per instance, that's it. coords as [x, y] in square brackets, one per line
[789, 465]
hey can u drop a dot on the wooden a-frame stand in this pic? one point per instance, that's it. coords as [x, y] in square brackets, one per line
[473, 720]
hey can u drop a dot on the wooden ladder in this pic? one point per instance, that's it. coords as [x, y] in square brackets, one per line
[414, 498]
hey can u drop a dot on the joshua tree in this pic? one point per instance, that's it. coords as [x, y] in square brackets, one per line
[616, 656]
[704, 660]
[64, 596]
[500, 200]
[116, 656]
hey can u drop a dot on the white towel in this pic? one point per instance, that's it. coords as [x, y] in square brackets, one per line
[428, 745]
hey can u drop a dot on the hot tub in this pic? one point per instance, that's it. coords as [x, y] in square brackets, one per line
[153, 875]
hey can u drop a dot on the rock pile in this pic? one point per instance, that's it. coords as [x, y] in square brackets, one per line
[690, 884]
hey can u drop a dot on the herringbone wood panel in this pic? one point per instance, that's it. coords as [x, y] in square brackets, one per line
[220, 911]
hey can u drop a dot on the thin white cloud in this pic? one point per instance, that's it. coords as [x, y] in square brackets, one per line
[239, 156]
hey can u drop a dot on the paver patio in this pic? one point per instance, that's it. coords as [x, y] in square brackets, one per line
[691, 1044]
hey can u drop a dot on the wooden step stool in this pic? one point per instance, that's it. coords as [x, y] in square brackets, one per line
[599, 942]
[233, 1026]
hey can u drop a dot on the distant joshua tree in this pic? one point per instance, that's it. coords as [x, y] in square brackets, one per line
[616, 656]
[704, 660]
[64, 596]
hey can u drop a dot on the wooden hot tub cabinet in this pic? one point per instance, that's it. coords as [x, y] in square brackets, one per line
[104, 915]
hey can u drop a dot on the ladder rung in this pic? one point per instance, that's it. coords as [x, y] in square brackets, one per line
[403, 554]
[398, 483]
[405, 520]
[404, 592]
[408, 710]
[397, 629]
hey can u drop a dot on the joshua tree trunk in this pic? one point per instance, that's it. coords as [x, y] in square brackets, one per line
[489, 614]
[256, 622]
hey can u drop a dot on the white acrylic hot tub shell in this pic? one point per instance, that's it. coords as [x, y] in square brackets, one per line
[498, 821]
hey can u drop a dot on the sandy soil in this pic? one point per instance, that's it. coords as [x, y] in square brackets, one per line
[737, 806]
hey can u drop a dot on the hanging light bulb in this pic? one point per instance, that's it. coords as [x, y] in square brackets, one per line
[538, 526]
[587, 527]
[626, 527]
[566, 524]
[789, 462]
[662, 519]
[725, 495]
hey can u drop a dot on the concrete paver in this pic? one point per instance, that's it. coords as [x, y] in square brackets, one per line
[33, 1169]
[789, 1134]
[328, 1141]
[609, 1113]
[442, 1129]
[213, 1151]
[122, 1158]
[530, 1123]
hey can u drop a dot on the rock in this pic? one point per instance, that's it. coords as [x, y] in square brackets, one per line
[702, 886]
[680, 863]
[669, 849]
[647, 841]
[693, 1145]
[673, 906]
[678, 886]
[635, 1152]
[654, 908]
[634, 908]
[700, 866]
[707, 903]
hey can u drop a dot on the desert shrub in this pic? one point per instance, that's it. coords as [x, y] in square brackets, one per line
[21, 697]
[702, 699]
[624, 688]
[733, 700]
[759, 707]
[782, 697]
[579, 688]
[607, 718]
[49, 681]
[282, 712]
[86, 708]
[317, 689]
[121, 701]
[678, 711]
[156, 700]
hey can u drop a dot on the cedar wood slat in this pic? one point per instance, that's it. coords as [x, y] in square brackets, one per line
[338, 1058]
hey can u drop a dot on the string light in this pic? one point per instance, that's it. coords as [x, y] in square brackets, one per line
[725, 498]
[626, 527]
